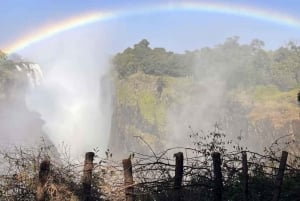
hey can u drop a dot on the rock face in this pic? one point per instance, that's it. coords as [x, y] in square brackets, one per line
[163, 116]
[160, 110]
[138, 110]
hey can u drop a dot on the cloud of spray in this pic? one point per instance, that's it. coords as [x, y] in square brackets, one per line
[18, 125]
[70, 99]
[206, 106]
[199, 112]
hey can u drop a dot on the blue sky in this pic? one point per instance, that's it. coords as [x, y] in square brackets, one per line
[177, 31]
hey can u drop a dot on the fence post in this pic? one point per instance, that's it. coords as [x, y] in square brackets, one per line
[245, 176]
[218, 183]
[128, 179]
[43, 177]
[279, 177]
[87, 176]
[178, 174]
[178, 170]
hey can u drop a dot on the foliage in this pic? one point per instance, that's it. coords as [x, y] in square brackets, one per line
[2, 56]
[260, 85]
[155, 61]
[269, 103]
[20, 172]
[153, 174]
[239, 64]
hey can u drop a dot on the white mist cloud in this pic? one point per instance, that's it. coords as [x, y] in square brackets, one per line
[201, 111]
[69, 98]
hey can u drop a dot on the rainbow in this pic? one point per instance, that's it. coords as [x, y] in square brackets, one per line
[50, 30]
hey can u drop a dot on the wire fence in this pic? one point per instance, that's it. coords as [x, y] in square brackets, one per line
[175, 174]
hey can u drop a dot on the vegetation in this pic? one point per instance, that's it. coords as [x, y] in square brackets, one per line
[13, 83]
[153, 174]
[253, 83]
[155, 61]
[260, 87]
[242, 64]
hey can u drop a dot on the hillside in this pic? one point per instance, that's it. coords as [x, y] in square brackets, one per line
[250, 92]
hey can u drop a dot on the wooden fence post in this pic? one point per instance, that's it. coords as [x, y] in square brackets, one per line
[43, 177]
[87, 176]
[178, 175]
[128, 179]
[178, 170]
[218, 181]
[245, 176]
[279, 177]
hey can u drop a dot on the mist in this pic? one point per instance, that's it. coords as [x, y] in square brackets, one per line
[208, 105]
[71, 97]
[76, 97]
[199, 113]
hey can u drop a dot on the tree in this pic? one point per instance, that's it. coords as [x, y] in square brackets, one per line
[2, 56]
[155, 61]
[257, 44]
[143, 44]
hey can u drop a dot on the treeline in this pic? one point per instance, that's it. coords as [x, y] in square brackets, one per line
[155, 61]
[238, 64]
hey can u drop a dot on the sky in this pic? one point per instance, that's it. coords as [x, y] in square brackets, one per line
[175, 30]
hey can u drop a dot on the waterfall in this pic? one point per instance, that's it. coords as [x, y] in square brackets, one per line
[33, 71]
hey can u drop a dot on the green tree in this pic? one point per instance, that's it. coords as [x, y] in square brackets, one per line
[2, 56]
[155, 61]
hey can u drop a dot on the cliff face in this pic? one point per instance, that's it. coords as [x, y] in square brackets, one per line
[272, 114]
[241, 89]
[164, 110]
[140, 109]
